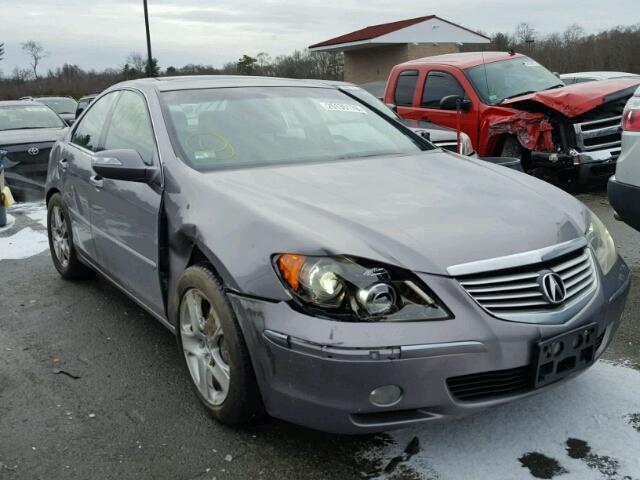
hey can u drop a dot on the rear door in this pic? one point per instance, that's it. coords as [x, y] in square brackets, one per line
[126, 214]
[76, 172]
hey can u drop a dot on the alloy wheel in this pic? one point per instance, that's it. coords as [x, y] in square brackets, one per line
[60, 236]
[204, 347]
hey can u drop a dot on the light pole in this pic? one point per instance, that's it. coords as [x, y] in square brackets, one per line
[149, 56]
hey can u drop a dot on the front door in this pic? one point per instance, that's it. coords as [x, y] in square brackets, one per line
[125, 217]
[437, 85]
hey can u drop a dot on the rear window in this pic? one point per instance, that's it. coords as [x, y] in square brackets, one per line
[405, 87]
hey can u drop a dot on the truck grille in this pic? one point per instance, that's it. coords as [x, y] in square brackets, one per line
[486, 385]
[605, 133]
[519, 290]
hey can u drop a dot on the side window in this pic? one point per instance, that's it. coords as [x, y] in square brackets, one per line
[87, 133]
[438, 86]
[130, 127]
[405, 87]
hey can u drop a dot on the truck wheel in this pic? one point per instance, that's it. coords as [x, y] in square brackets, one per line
[511, 148]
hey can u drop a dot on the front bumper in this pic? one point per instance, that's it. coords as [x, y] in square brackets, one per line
[319, 373]
[625, 200]
[588, 166]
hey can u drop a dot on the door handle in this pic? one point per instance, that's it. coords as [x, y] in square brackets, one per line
[63, 163]
[97, 181]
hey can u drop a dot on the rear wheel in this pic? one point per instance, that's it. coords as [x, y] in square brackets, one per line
[63, 251]
[214, 349]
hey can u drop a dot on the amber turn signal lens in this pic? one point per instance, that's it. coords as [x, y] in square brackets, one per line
[289, 266]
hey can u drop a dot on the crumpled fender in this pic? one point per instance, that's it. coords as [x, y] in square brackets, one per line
[533, 130]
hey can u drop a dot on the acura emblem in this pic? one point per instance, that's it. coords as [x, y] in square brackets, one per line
[33, 151]
[552, 287]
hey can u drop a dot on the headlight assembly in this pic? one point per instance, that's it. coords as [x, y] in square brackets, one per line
[351, 289]
[601, 243]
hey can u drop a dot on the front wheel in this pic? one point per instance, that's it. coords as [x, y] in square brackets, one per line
[214, 350]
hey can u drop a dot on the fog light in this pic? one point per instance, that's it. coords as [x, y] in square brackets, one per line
[385, 396]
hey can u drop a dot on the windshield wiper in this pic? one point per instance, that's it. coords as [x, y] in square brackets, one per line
[557, 85]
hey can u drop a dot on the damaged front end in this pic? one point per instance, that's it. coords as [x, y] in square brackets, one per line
[578, 142]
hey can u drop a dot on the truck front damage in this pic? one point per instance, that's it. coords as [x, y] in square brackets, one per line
[570, 134]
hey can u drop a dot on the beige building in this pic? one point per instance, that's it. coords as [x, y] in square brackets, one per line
[370, 53]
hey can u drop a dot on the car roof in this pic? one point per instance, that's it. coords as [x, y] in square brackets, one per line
[464, 60]
[20, 103]
[194, 82]
[599, 74]
[48, 97]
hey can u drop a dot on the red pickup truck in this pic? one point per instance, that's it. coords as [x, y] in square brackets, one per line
[510, 105]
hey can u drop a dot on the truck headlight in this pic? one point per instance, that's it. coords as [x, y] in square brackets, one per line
[601, 243]
[353, 289]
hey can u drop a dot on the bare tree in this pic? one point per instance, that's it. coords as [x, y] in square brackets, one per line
[525, 33]
[573, 33]
[1, 50]
[36, 51]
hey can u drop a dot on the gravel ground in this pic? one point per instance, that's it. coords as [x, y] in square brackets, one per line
[91, 387]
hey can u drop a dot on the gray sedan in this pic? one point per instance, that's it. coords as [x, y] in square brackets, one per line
[320, 262]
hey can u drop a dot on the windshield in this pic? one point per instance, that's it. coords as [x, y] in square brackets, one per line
[28, 116]
[59, 105]
[497, 81]
[256, 126]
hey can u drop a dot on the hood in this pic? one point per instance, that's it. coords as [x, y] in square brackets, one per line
[36, 135]
[574, 100]
[423, 212]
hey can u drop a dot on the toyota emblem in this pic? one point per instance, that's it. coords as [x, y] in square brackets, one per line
[33, 151]
[552, 287]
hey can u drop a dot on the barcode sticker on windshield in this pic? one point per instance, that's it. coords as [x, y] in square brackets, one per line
[343, 107]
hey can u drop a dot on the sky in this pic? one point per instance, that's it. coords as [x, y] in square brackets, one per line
[101, 33]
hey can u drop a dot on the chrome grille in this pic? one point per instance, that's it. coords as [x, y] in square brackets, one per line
[604, 133]
[518, 291]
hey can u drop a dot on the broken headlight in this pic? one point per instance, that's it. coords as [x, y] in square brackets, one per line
[353, 289]
[601, 243]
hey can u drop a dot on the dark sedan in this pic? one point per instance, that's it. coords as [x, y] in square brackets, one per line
[28, 130]
[65, 107]
[319, 260]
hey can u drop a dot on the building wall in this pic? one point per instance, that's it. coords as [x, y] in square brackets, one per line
[374, 63]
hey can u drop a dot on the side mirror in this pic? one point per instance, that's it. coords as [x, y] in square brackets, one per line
[122, 165]
[450, 102]
[392, 106]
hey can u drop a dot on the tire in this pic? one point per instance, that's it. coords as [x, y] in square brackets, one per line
[213, 349]
[61, 246]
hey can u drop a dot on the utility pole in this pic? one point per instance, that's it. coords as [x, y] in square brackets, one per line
[149, 56]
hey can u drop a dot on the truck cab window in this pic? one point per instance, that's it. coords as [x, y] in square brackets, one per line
[439, 85]
[405, 87]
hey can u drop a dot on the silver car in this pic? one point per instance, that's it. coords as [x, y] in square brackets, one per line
[320, 262]
[624, 186]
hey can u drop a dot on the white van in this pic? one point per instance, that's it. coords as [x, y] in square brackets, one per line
[624, 186]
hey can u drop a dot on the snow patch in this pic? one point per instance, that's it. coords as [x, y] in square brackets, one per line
[597, 408]
[24, 244]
